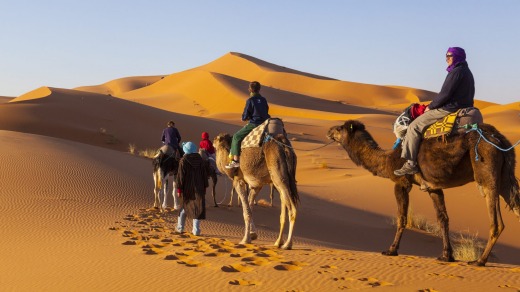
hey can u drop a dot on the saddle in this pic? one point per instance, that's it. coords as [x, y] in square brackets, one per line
[454, 123]
[271, 127]
[451, 124]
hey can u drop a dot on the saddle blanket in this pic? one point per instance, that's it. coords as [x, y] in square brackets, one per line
[454, 123]
[441, 127]
[255, 138]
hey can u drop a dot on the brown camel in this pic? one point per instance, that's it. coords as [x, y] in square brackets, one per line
[270, 163]
[442, 165]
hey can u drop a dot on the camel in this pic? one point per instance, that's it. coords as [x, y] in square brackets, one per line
[164, 165]
[252, 200]
[271, 163]
[442, 165]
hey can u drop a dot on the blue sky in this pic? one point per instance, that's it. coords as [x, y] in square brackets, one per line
[74, 43]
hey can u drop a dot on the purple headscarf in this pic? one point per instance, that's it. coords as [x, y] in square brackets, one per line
[459, 55]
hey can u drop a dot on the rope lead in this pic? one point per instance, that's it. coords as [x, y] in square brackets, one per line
[474, 127]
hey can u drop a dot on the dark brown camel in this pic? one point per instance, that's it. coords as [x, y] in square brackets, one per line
[442, 165]
[270, 163]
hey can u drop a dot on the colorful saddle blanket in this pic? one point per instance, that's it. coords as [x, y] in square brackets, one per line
[255, 138]
[454, 122]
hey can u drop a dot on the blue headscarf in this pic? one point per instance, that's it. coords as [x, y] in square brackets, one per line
[459, 55]
[189, 148]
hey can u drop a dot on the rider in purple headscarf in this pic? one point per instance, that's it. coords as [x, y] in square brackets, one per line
[457, 92]
[459, 55]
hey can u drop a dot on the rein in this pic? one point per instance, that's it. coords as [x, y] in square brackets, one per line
[269, 137]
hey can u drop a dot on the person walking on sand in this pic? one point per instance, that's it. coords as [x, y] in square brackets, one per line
[457, 92]
[192, 181]
[171, 139]
[256, 112]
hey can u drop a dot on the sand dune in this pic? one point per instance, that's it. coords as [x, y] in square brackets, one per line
[76, 206]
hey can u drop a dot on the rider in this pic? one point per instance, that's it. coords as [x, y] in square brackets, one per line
[458, 91]
[256, 111]
[171, 139]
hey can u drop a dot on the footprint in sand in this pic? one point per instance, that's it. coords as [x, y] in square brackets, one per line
[254, 261]
[517, 288]
[446, 275]
[291, 266]
[129, 242]
[375, 282]
[243, 282]
[235, 268]
[428, 290]
[192, 263]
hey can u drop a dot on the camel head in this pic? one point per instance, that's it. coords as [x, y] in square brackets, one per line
[342, 134]
[222, 140]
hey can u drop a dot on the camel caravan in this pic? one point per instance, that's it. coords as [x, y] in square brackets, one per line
[267, 159]
[457, 149]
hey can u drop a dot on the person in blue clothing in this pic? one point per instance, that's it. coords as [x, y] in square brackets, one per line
[171, 139]
[256, 112]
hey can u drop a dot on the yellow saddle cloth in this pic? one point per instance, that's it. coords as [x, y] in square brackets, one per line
[441, 127]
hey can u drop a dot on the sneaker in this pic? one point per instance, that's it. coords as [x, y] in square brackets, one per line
[407, 168]
[233, 164]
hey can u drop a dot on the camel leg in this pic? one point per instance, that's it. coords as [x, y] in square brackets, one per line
[230, 204]
[437, 197]
[157, 189]
[401, 193]
[496, 226]
[176, 200]
[271, 194]
[292, 219]
[253, 192]
[214, 180]
[241, 189]
[165, 194]
[279, 241]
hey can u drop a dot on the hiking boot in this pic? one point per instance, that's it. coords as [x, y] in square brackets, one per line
[408, 168]
[233, 164]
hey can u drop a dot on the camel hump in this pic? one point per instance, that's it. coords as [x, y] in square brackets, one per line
[271, 126]
[468, 116]
[275, 127]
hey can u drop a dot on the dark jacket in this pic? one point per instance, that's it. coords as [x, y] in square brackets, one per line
[458, 90]
[192, 180]
[171, 136]
[256, 110]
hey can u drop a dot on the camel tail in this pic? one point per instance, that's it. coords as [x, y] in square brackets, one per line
[157, 173]
[509, 184]
[291, 161]
[509, 187]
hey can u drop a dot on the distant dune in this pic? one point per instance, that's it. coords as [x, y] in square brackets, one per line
[76, 204]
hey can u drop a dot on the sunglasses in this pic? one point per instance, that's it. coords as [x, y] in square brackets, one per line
[449, 56]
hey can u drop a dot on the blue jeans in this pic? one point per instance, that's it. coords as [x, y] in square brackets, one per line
[182, 220]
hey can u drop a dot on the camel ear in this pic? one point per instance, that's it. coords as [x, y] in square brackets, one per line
[353, 126]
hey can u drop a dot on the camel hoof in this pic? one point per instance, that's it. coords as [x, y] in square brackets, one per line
[245, 241]
[446, 259]
[287, 247]
[253, 235]
[216, 206]
[390, 253]
[476, 263]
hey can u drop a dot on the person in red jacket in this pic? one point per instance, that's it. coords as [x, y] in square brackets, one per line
[207, 145]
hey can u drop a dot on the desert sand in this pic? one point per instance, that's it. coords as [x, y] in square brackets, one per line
[77, 210]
